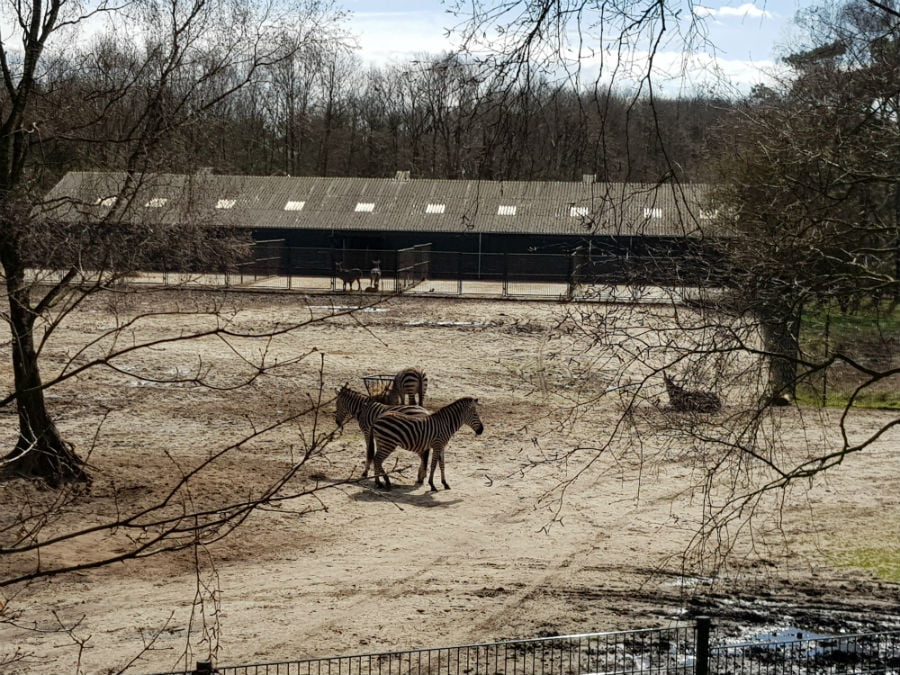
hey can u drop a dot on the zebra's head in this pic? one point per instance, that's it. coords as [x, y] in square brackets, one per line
[343, 405]
[671, 387]
[471, 417]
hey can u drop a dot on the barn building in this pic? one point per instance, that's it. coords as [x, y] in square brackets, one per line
[362, 218]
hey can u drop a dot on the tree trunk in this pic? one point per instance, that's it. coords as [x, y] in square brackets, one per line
[40, 451]
[780, 324]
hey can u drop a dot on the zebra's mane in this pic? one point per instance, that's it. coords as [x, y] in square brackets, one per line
[354, 395]
[459, 403]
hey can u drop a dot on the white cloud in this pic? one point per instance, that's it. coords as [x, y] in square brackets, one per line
[399, 36]
[747, 10]
[675, 73]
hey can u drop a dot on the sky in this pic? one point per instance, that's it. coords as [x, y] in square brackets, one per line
[747, 36]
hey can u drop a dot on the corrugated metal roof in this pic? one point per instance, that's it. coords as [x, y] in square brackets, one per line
[421, 205]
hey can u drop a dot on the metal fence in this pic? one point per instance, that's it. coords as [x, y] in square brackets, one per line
[644, 651]
[419, 269]
[692, 648]
[864, 654]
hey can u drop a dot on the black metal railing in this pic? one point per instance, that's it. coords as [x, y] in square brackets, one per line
[656, 651]
[861, 654]
[691, 648]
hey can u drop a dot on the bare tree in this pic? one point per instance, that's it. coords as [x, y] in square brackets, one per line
[158, 70]
[804, 220]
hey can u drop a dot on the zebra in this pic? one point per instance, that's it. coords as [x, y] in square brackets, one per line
[685, 400]
[418, 434]
[408, 382]
[351, 403]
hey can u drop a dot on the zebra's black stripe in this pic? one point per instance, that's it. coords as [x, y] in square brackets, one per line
[351, 403]
[409, 382]
[418, 434]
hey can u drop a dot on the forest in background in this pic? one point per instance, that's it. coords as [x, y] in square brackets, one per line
[326, 114]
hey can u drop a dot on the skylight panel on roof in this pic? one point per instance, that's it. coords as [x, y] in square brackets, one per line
[652, 213]
[505, 210]
[365, 207]
[579, 211]
[435, 208]
[294, 206]
[225, 203]
[106, 201]
[156, 203]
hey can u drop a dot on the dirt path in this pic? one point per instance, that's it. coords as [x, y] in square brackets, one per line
[369, 571]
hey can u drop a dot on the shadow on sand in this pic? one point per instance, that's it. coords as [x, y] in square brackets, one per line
[401, 493]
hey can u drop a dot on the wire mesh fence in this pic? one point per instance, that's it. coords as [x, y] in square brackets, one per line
[421, 270]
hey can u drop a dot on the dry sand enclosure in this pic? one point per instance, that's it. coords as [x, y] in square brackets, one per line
[503, 554]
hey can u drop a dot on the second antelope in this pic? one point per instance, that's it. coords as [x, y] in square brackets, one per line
[375, 274]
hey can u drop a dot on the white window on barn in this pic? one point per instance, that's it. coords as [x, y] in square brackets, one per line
[504, 210]
[156, 203]
[225, 203]
[709, 214]
[652, 213]
[579, 211]
[294, 206]
[435, 208]
[365, 207]
[106, 201]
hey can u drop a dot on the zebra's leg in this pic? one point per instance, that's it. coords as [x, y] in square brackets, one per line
[423, 466]
[370, 453]
[437, 454]
[443, 476]
[380, 473]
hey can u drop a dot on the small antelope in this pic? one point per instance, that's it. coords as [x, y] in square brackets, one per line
[684, 400]
[348, 275]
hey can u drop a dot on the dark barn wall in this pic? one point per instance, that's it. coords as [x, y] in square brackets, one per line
[473, 242]
[497, 256]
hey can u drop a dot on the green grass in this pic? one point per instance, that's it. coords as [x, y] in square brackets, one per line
[884, 563]
[867, 324]
[869, 336]
[836, 398]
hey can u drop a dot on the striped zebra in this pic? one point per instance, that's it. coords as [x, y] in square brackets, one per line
[351, 403]
[418, 434]
[408, 382]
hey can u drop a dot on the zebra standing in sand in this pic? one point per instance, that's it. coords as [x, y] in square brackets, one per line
[418, 434]
[408, 382]
[351, 403]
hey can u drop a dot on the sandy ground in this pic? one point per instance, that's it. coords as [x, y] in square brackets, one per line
[501, 555]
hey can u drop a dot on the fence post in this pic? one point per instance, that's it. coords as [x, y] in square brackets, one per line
[505, 275]
[701, 646]
[203, 668]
